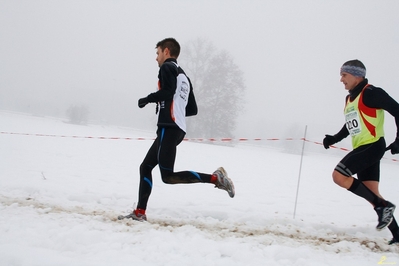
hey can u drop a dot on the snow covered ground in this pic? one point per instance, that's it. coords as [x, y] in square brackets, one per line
[60, 196]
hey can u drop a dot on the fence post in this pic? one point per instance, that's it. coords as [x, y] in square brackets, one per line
[300, 170]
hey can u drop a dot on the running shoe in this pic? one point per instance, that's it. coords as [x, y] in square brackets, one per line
[393, 241]
[138, 215]
[224, 182]
[385, 215]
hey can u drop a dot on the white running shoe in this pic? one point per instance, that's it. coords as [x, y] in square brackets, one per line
[224, 182]
[138, 215]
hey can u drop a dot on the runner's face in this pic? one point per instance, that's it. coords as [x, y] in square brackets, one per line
[350, 81]
[162, 55]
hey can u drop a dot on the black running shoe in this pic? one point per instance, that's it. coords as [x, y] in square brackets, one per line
[385, 215]
[393, 241]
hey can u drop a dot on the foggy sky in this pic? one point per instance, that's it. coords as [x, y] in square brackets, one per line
[102, 54]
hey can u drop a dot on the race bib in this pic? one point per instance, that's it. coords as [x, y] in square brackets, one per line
[353, 123]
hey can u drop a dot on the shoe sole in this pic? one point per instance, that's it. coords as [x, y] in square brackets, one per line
[135, 218]
[393, 243]
[381, 228]
[231, 189]
[392, 209]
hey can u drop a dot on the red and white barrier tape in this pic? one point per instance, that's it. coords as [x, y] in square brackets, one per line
[186, 139]
[72, 136]
[142, 138]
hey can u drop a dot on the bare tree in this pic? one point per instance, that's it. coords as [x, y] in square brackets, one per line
[218, 88]
[78, 114]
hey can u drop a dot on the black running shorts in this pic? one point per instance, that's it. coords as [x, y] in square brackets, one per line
[363, 161]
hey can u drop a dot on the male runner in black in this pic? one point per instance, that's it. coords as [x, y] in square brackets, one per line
[175, 100]
[364, 114]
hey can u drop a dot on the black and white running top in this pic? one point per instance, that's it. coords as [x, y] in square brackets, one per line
[174, 97]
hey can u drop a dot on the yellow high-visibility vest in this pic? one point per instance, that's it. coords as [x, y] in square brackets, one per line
[365, 124]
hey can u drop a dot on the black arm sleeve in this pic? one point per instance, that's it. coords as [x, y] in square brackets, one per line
[343, 133]
[167, 78]
[377, 98]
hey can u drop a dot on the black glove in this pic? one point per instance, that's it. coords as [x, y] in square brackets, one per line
[143, 102]
[394, 146]
[329, 140]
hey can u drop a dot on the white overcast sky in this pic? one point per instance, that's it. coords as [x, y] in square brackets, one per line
[101, 54]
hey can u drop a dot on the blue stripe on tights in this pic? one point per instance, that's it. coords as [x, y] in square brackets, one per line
[160, 145]
[196, 175]
[148, 181]
[162, 134]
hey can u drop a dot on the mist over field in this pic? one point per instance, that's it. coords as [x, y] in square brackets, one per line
[72, 137]
[101, 55]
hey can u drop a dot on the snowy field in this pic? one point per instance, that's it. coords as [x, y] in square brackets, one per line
[60, 196]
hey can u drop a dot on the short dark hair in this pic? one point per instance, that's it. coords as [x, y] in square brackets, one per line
[355, 62]
[171, 44]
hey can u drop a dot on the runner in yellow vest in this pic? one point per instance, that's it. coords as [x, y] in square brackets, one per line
[364, 122]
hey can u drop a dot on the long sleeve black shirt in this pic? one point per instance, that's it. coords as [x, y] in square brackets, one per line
[373, 97]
